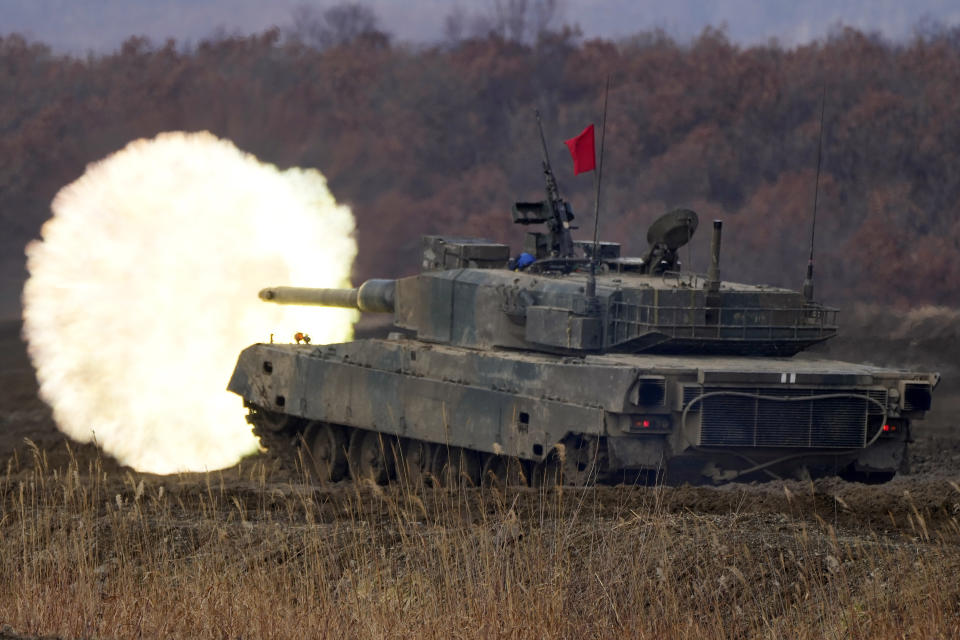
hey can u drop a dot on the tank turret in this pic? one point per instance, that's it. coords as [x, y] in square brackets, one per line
[467, 296]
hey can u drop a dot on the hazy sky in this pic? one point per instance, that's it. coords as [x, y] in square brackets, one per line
[101, 25]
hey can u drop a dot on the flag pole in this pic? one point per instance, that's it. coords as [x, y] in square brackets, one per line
[594, 257]
[808, 281]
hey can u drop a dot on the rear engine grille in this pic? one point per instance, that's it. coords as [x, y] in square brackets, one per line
[740, 421]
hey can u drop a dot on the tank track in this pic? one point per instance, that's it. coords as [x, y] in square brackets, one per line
[575, 462]
[288, 442]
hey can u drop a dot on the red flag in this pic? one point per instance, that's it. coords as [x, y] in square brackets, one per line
[581, 148]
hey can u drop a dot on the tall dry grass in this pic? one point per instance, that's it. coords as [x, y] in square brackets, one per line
[87, 554]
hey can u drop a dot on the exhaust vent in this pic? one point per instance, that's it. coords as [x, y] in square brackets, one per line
[649, 392]
[917, 396]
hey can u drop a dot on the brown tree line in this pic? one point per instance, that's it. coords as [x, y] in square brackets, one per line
[442, 139]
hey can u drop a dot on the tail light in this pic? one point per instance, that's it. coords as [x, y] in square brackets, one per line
[650, 423]
[892, 428]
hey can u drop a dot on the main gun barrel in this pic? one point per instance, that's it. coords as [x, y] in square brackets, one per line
[375, 296]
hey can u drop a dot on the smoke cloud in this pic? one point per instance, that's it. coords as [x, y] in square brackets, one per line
[143, 290]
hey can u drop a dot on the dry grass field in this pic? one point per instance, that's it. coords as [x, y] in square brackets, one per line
[91, 549]
[86, 553]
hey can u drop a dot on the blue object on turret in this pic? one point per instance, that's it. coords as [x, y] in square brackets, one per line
[525, 260]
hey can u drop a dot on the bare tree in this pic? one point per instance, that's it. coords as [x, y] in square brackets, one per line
[340, 24]
[510, 18]
[347, 22]
[543, 15]
[455, 25]
[517, 20]
[307, 26]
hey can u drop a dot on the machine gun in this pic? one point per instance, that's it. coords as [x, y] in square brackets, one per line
[555, 212]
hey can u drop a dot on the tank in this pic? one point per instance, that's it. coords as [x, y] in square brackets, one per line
[571, 364]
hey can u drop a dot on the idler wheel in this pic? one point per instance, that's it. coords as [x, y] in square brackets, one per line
[850, 474]
[328, 452]
[453, 466]
[503, 471]
[370, 457]
[578, 461]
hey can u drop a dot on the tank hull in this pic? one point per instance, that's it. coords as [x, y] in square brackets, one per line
[604, 417]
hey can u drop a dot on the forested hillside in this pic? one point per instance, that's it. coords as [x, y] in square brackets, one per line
[443, 140]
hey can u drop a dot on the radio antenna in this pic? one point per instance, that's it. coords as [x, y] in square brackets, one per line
[594, 255]
[808, 281]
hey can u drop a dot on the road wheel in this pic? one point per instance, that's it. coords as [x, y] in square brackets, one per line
[547, 473]
[370, 457]
[453, 466]
[414, 462]
[327, 452]
[503, 471]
